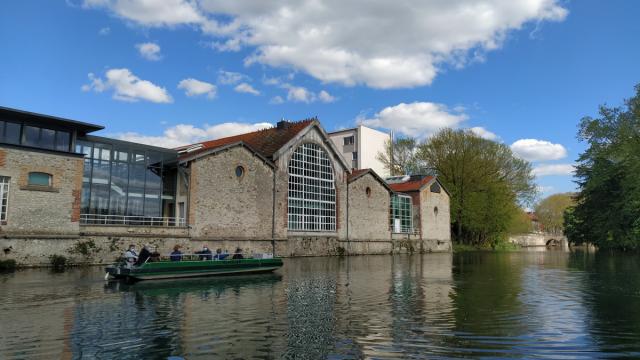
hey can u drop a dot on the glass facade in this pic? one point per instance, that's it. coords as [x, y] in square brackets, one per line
[4, 197]
[34, 136]
[312, 192]
[401, 218]
[126, 180]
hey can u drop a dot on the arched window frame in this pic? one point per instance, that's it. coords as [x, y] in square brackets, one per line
[312, 204]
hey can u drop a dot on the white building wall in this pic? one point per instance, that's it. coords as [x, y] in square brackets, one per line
[346, 150]
[371, 142]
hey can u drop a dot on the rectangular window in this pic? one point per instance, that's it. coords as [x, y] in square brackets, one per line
[4, 197]
[11, 133]
[40, 179]
[401, 218]
[31, 136]
[354, 155]
[349, 140]
[63, 139]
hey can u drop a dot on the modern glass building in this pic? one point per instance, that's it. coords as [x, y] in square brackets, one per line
[123, 179]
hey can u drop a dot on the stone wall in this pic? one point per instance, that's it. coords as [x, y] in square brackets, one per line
[282, 181]
[35, 210]
[368, 209]
[225, 206]
[435, 220]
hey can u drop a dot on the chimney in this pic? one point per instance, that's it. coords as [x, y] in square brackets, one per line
[282, 124]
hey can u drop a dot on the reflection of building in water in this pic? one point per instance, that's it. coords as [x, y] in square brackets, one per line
[135, 324]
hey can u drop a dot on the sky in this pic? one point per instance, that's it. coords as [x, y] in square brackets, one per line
[172, 72]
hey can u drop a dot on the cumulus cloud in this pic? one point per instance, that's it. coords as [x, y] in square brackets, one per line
[483, 133]
[325, 97]
[331, 39]
[554, 169]
[417, 119]
[247, 89]
[538, 150]
[185, 134]
[276, 100]
[231, 78]
[127, 87]
[193, 87]
[149, 51]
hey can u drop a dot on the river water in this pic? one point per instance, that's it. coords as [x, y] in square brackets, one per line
[524, 304]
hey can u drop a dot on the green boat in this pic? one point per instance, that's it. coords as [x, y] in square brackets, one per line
[165, 269]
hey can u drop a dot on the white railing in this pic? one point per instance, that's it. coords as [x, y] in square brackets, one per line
[98, 219]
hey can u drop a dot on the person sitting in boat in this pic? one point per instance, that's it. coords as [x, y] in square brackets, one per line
[219, 255]
[205, 253]
[238, 254]
[131, 256]
[145, 254]
[176, 255]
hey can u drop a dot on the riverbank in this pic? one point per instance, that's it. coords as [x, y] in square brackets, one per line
[500, 247]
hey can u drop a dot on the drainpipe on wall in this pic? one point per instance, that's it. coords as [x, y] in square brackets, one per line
[273, 217]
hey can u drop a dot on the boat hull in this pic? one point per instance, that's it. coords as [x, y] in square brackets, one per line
[189, 269]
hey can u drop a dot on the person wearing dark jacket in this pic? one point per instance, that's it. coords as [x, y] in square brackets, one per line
[238, 254]
[144, 255]
[205, 253]
[176, 255]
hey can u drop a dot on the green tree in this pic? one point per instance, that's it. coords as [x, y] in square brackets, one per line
[486, 181]
[550, 212]
[607, 211]
[403, 154]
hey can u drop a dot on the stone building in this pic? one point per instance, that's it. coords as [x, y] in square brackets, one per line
[285, 189]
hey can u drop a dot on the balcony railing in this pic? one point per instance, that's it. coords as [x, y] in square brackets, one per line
[98, 219]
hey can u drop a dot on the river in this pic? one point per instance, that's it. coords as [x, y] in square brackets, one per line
[546, 304]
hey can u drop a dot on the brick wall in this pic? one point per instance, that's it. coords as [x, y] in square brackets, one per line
[52, 210]
[368, 214]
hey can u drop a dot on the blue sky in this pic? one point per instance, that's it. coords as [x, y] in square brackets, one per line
[161, 71]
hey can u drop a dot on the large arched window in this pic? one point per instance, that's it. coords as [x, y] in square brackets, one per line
[312, 191]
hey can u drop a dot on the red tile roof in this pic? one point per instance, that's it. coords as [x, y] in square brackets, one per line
[266, 142]
[412, 185]
[356, 173]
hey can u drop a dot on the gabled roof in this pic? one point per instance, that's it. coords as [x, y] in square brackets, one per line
[190, 156]
[356, 174]
[411, 185]
[417, 183]
[264, 142]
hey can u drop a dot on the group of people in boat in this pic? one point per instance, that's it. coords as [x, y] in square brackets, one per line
[134, 259]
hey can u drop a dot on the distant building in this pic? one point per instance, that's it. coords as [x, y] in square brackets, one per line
[286, 189]
[360, 147]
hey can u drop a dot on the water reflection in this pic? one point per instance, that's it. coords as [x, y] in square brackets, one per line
[537, 304]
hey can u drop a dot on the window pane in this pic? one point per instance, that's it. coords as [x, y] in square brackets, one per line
[4, 197]
[62, 140]
[39, 179]
[12, 133]
[31, 136]
[1, 130]
[47, 139]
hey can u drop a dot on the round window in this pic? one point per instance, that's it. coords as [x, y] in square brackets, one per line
[239, 171]
[368, 191]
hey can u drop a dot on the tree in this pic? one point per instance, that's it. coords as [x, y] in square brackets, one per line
[403, 154]
[486, 181]
[550, 212]
[607, 210]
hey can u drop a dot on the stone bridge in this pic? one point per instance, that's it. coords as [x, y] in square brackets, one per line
[540, 239]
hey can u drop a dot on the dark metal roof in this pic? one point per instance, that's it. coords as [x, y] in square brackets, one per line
[21, 115]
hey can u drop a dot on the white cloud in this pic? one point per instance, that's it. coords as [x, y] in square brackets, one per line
[247, 89]
[127, 87]
[325, 97]
[231, 78]
[300, 94]
[184, 134]
[104, 31]
[418, 119]
[483, 133]
[193, 87]
[538, 150]
[554, 169]
[332, 40]
[276, 100]
[149, 51]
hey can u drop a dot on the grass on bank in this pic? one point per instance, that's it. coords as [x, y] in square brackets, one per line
[498, 247]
